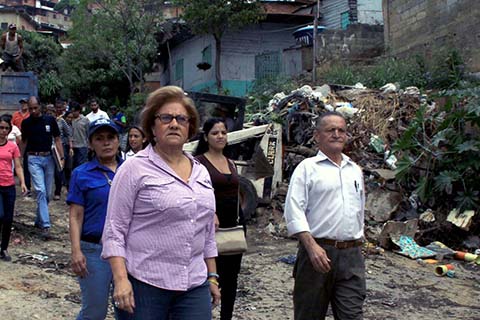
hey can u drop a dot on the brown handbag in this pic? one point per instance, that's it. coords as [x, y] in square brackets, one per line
[231, 240]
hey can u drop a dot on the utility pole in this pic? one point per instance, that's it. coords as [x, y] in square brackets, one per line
[315, 42]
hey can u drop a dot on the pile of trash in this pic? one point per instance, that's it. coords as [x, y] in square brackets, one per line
[376, 118]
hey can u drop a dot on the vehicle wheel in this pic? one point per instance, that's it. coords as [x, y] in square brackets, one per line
[248, 197]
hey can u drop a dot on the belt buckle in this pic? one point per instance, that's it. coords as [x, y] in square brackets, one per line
[340, 244]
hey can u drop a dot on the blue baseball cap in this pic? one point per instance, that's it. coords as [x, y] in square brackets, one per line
[101, 123]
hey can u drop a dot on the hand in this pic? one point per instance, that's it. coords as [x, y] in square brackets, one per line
[24, 189]
[70, 152]
[318, 258]
[217, 222]
[123, 296]
[79, 264]
[215, 292]
[62, 162]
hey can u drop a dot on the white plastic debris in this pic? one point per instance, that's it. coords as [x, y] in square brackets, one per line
[389, 87]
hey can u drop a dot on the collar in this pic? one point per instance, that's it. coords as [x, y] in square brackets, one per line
[94, 164]
[320, 157]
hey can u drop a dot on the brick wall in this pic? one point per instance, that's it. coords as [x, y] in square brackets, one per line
[427, 26]
[360, 43]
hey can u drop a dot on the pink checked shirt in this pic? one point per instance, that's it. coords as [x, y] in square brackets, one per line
[162, 226]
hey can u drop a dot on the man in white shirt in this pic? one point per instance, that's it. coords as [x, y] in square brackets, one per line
[96, 113]
[324, 209]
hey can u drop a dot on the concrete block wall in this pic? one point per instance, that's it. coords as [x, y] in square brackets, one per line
[360, 43]
[427, 26]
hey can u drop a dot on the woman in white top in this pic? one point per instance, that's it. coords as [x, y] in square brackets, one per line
[136, 141]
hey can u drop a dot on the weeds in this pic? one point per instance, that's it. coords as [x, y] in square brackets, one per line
[440, 151]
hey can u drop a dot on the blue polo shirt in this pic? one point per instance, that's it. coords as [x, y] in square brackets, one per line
[119, 117]
[89, 188]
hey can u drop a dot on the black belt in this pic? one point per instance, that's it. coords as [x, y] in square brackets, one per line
[39, 153]
[91, 238]
[340, 244]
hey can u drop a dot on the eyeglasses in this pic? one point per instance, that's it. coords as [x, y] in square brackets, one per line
[4, 128]
[167, 118]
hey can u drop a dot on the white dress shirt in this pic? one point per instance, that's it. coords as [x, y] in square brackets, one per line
[325, 199]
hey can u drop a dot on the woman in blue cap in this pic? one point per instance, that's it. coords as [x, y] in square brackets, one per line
[88, 199]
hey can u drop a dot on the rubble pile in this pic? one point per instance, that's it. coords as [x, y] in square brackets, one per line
[376, 119]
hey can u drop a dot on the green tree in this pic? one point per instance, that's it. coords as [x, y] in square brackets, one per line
[217, 16]
[42, 57]
[113, 39]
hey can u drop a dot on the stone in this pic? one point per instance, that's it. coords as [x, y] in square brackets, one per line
[381, 204]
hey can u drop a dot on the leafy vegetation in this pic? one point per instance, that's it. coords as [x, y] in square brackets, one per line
[440, 151]
[445, 70]
[113, 42]
[42, 56]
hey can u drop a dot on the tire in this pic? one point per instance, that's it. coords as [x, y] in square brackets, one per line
[248, 198]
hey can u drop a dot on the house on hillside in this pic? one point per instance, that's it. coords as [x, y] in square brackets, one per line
[43, 17]
[339, 14]
[253, 53]
[266, 49]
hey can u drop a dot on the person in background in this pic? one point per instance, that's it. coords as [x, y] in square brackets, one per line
[96, 112]
[88, 198]
[15, 134]
[211, 153]
[80, 125]
[12, 46]
[324, 209]
[9, 153]
[17, 118]
[120, 122]
[136, 141]
[159, 234]
[66, 137]
[21, 114]
[68, 160]
[39, 132]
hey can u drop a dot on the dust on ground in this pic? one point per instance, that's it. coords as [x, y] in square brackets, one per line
[38, 283]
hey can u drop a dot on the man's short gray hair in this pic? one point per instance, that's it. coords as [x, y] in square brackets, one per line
[324, 115]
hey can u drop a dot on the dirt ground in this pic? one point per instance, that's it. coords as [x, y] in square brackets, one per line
[38, 284]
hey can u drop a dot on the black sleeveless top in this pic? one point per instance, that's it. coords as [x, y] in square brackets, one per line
[226, 193]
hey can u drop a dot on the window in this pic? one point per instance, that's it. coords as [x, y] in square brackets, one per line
[207, 55]
[179, 70]
[267, 65]
[4, 25]
[345, 19]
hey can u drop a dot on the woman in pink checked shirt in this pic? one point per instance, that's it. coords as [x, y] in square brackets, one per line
[159, 233]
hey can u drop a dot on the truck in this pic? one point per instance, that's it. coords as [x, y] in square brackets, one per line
[15, 86]
[257, 149]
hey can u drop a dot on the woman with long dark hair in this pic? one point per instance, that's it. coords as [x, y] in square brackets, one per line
[211, 153]
[136, 141]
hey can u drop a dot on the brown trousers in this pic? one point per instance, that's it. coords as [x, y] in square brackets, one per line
[343, 286]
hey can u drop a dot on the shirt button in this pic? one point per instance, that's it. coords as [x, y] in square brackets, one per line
[191, 221]
[194, 198]
[184, 267]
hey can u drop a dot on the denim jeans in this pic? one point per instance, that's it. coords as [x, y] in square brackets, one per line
[152, 303]
[80, 156]
[42, 170]
[7, 204]
[26, 172]
[96, 286]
